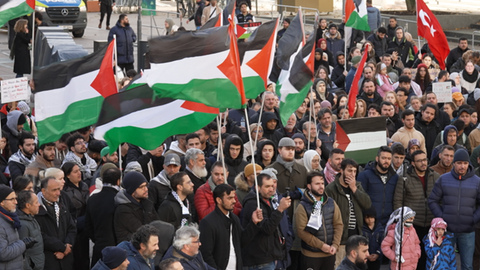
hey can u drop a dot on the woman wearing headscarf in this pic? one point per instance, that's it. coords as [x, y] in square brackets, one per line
[311, 161]
[322, 44]
[401, 243]
[319, 59]
[170, 27]
[321, 91]
[439, 247]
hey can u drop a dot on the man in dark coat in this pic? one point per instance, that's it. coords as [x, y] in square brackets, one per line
[369, 94]
[106, 7]
[356, 257]
[112, 258]
[379, 42]
[100, 213]
[18, 162]
[197, 16]
[177, 209]
[159, 186]
[233, 153]
[125, 39]
[222, 224]
[425, 123]
[403, 47]
[150, 161]
[133, 207]
[57, 226]
[457, 53]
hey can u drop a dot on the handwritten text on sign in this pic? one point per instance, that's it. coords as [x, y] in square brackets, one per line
[14, 89]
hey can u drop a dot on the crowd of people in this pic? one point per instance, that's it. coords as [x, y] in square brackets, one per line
[286, 199]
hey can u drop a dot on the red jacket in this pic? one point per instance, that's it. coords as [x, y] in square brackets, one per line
[410, 249]
[204, 202]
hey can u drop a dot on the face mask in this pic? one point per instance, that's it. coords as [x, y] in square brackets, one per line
[408, 224]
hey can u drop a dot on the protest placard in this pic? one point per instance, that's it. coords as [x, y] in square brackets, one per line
[443, 90]
[14, 89]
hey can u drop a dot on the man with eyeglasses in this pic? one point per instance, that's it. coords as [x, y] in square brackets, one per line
[12, 248]
[133, 207]
[418, 184]
[78, 155]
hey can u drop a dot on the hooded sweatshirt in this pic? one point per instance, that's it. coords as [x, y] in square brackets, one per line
[13, 119]
[270, 133]
[235, 165]
[258, 154]
[434, 159]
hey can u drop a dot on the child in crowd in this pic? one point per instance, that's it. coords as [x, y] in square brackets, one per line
[439, 246]
[402, 235]
[374, 232]
[384, 84]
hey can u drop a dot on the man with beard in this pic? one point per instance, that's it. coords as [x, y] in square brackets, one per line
[393, 121]
[426, 124]
[233, 153]
[326, 128]
[125, 39]
[133, 207]
[290, 128]
[268, 106]
[351, 199]
[370, 94]
[457, 53]
[25, 155]
[186, 248]
[300, 142]
[379, 181]
[445, 164]
[195, 167]
[356, 250]
[176, 209]
[221, 224]
[332, 168]
[418, 185]
[142, 248]
[450, 136]
[159, 186]
[78, 155]
[204, 136]
[204, 201]
[408, 131]
[45, 159]
[319, 225]
[289, 173]
[309, 130]
[455, 197]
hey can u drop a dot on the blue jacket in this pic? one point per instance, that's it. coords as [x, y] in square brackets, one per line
[137, 262]
[188, 262]
[100, 265]
[455, 198]
[446, 259]
[125, 39]
[349, 79]
[375, 237]
[374, 18]
[381, 194]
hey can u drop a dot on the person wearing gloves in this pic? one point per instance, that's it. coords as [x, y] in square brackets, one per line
[439, 246]
[404, 238]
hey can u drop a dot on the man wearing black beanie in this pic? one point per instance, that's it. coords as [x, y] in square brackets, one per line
[455, 197]
[113, 258]
[133, 207]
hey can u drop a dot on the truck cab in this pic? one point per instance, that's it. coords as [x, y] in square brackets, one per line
[69, 14]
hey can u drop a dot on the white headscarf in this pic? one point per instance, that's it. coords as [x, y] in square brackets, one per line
[307, 159]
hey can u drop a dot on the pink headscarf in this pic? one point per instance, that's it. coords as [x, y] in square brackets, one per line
[436, 224]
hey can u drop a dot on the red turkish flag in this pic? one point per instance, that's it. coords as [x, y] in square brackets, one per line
[431, 30]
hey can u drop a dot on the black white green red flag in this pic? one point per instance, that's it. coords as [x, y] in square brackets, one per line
[11, 9]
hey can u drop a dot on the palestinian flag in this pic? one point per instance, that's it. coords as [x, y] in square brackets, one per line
[69, 95]
[352, 95]
[11, 9]
[228, 11]
[201, 66]
[257, 56]
[293, 84]
[214, 22]
[137, 116]
[360, 138]
[288, 44]
[356, 15]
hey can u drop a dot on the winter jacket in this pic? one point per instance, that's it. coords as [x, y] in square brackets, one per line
[440, 169]
[151, 165]
[125, 37]
[329, 233]
[137, 261]
[242, 189]
[208, 13]
[404, 49]
[356, 37]
[391, 32]
[377, 99]
[22, 61]
[170, 211]
[39, 164]
[375, 237]
[360, 200]
[258, 153]
[458, 66]
[444, 255]
[337, 77]
[188, 262]
[79, 196]
[215, 228]
[435, 158]
[474, 138]
[197, 16]
[158, 188]
[327, 139]
[403, 136]
[205, 204]
[235, 166]
[381, 193]
[100, 265]
[453, 56]
[416, 195]
[334, 43]
[295, 179]
[459, 197]
[270, 133]
[10, 129]
[18, 162]
[265, 247]
[87, 169]
[374, 18]
[346, 264]
[429, 131]
[349, 79]
[385, 84]
[11, 246]
[131, 215]
[55, 238]
[30, 228]
[410, 248]
[380, 45]
[469, 86]
[99, 219]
